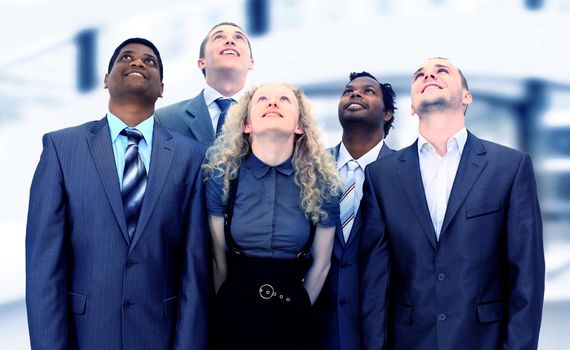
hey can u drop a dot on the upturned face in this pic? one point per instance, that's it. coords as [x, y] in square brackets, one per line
[362, 102]
[135, 71]
[437, 86]
[273, 108]
[226, 48]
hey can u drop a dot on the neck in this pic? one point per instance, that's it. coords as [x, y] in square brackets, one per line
[272, 149]
[130, 113]
[439, 127]
[227, 83]
[359, 141]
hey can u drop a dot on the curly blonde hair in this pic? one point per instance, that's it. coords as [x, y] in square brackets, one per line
[315, 170]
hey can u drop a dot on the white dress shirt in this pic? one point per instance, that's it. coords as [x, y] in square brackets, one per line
[343, 157]
[438, 173]
[210, 97]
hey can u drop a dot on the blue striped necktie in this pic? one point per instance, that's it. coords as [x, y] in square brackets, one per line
[347, 204]
[224, 105]
[134, 180]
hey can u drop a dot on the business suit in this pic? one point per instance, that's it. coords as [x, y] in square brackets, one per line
[337, 306]
[480, 286]
[190, 118]
[88, 286]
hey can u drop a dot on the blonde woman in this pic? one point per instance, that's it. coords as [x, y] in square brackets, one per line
[269, 175]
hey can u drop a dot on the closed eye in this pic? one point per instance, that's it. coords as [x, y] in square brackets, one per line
[285, 99]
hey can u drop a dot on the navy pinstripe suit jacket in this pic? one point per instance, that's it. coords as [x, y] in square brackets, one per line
[86, 286]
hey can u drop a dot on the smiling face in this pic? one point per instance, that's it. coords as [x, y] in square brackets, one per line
[437, 86]
[135, 71]
[362, 102]
[226, 48]
[273, 110]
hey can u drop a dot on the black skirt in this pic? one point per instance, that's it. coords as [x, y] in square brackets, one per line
[264, 305]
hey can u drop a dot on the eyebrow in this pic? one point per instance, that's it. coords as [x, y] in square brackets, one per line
[221, 31]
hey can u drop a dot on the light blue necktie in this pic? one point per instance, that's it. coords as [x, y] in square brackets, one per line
[134, 180]
[224, 105]
[347, 205]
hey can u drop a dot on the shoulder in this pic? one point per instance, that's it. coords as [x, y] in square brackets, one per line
[496, 152]
[179, 106]
[74, 132]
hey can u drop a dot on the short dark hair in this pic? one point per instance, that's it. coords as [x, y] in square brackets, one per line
[141, 41]
[388, 97]
[202, 52]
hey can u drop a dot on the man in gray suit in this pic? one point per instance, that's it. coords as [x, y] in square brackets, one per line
[225, 59]
[366, 113]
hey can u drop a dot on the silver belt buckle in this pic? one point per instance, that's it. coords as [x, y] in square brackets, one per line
[267, 291]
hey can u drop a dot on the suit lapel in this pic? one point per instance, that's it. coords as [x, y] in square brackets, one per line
[199, 121]
[101, 149]
[410, 178]
[471, 165]
[161, 159]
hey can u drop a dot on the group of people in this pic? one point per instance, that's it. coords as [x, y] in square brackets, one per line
[221, 222]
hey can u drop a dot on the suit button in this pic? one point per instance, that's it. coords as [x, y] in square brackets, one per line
[343, 302]
[442, 317]
[127, 304]
[441, 277]
[130, 263]
[344, 265]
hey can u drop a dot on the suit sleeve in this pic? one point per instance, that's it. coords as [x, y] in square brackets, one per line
[374, 268]
[197, 281]
[525, 254]
[45, 253]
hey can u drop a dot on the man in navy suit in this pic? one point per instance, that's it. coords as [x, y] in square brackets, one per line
[366, 113]
[95, 279]
[450, 233]
[225, 59]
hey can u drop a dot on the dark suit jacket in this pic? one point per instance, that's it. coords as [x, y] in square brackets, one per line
[190, 118]
[481, 285]
[337, 306]
[86, 286]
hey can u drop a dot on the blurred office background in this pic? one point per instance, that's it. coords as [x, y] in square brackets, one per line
[54, 54]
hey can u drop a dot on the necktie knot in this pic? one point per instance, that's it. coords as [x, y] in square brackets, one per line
[134, 136]
[352, 165]
[224, 104]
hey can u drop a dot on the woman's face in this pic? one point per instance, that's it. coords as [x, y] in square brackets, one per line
[273, 110]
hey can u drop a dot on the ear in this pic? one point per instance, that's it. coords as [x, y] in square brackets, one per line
[106, 81]
[387, 116]
[412, 108]
[299, 130]
[201, 63]
[467, 97]
[246, 127]
[161, 89]
[251, 63]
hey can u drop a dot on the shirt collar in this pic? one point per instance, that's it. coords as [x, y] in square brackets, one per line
[211, 95]
[116, 125]
[460, 138]
[343, 156]
[259, 169]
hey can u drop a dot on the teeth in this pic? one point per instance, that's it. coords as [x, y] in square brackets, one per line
[431, 87]
[352, 105]
[272, 114]
[135, 73]
[229, 52]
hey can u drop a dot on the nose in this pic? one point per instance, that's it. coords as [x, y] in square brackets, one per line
[355, 93]
[137, 62]
[427, 76]
[230, 41]
[273, 101]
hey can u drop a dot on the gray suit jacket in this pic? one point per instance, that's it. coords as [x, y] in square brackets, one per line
[338, 305]
[190, 118]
